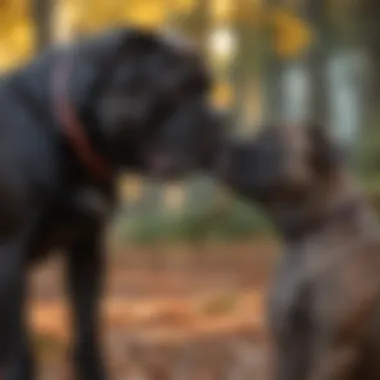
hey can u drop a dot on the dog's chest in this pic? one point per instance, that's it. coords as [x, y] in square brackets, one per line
[73, 217]
[291, 297]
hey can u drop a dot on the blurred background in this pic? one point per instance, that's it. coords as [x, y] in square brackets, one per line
[189, 263]
[273, 60]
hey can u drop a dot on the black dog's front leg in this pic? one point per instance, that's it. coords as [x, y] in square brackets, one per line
[85, 276]
[16, 361]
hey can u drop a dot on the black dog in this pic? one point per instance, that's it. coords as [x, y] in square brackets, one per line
[69, 122]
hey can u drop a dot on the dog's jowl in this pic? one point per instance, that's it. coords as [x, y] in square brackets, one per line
[69, 122]
[325, 301]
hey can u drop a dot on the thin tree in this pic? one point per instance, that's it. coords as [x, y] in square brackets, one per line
[371, 39]
[41, 13]
[272, 69]
[316, 14]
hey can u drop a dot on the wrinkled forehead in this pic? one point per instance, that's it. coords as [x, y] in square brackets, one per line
[175, 61]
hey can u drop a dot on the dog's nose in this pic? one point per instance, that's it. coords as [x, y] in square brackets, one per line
[222, 166]
[161, 163]
[166, 166]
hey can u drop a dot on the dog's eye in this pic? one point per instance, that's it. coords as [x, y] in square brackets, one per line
[196, 84]
[133, 87]
[189, 89]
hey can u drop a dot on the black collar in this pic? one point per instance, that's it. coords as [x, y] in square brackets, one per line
[296, 232]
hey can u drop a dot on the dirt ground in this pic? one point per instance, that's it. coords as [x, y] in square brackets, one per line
[181, 313]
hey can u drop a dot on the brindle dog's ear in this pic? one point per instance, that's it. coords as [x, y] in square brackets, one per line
[326, 155]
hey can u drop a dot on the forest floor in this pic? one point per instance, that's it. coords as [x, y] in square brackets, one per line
[169, 312]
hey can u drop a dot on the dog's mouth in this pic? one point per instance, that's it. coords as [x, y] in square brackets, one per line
[222, 166]
[165, 166]
[170, 166]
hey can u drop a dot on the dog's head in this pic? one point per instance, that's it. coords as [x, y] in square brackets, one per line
[283, 165]
[145, 95]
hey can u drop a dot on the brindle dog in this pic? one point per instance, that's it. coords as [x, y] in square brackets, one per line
[325, 300]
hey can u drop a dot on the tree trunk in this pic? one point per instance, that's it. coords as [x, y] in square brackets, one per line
[42, 12]
[315, 12]
[371, 38]
[244, 69]
[273, 69]
[196, 24]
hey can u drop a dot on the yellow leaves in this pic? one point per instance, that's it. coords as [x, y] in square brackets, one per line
[96, 14]
[223, 10]
[182, 6]
[222, 95]
[292, 35]
[22, 35]
[249, 12]
[16, 45]
[147, 13]
[16, 33]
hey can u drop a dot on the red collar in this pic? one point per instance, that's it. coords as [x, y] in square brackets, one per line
[72, 127]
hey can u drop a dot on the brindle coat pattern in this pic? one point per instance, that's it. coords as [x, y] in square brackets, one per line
[325, 300]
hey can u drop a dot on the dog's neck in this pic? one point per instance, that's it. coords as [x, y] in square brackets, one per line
[33, 86]
[336, 202]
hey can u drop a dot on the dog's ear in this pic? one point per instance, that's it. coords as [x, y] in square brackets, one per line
[91, 59]
[326, 155]
[135, 41]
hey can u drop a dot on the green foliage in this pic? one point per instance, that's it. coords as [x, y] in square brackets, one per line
[367, 154]
[237, 221]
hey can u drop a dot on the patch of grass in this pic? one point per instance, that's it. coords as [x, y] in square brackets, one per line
[237, 221]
